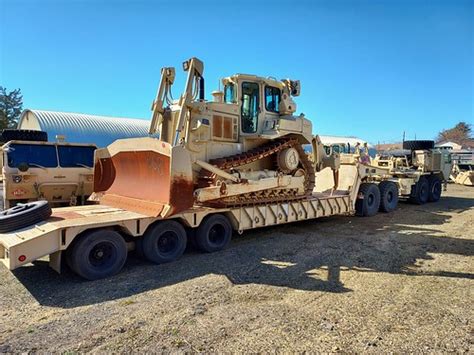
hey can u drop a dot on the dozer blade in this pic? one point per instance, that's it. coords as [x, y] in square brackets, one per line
[144, 175]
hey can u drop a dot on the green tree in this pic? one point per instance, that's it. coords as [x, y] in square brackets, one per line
[11, 105]
[460, 134]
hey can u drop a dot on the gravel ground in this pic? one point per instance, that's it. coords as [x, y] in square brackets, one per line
[400, 282]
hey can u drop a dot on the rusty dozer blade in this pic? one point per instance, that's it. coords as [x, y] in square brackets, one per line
[144, 175]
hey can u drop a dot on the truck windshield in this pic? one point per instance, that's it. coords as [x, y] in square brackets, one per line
[74, 156]
[35, 155]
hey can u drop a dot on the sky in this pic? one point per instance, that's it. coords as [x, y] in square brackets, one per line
[368, 68]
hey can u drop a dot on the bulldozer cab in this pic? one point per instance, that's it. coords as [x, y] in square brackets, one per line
[262, 103]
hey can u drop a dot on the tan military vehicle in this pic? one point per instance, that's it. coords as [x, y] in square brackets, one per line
[419, 170]
[59, 172]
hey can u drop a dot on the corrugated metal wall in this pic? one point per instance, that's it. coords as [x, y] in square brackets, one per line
[82, 128]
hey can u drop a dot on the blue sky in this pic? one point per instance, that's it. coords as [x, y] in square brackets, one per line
[368, 68]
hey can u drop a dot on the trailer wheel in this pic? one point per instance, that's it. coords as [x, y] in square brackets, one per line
[98, 254]
[435, 188]
[388, 196]
[420, 192]
[214, 233]
[368, 204]
[164, 242]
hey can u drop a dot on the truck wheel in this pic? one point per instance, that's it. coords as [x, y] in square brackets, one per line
[369, 204]
[435, 188]
[214, 233]
[388, 196]
[418, 145]
[24, 215]
[164, 242]
[420, 192]
[98, 254]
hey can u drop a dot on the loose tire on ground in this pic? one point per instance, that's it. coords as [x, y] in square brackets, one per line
[164, 242]
[23, 135]
[420, 192]
[214, 233]
[388, 196]
[97, 254]
[435, 188]
[418, 145]
[369, 203]
[24, 215]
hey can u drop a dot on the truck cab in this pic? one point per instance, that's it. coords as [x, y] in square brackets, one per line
[59, 172]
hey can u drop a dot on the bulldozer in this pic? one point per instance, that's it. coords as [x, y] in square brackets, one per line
[243, 147]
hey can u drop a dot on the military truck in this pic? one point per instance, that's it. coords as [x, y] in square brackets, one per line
[419, 171]
[58, 172]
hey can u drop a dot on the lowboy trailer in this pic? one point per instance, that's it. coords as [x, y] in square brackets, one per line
[95, 239]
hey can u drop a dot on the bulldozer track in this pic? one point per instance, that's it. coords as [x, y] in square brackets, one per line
[207, 178]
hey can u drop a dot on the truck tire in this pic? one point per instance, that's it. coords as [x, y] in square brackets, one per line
[418, 145]
[388, 196]
[24, 215]
[98, 254]
[435, 188]
[420, 192]
[369, 203]
[164, 242]
[214, 233]
[23, 135]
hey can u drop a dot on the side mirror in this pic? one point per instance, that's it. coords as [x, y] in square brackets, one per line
[23, 167]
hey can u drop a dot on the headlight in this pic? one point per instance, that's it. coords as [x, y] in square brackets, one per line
[17, 178]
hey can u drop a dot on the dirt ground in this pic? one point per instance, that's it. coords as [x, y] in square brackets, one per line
[398, 282]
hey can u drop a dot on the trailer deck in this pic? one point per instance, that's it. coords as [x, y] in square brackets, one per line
[54, 235]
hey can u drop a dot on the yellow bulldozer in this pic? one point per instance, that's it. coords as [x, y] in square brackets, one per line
[244, 147]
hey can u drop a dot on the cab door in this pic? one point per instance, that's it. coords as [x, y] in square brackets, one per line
[250, 108]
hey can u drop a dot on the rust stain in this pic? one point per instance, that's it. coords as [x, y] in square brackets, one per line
[141, 183]
[181, 195]
[104, 174]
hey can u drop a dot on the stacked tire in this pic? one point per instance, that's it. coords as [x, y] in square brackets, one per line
[24, 215]
[23, 135]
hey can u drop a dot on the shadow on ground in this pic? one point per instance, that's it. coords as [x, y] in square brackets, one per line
[306, 255]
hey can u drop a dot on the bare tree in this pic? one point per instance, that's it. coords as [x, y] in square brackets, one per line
[460, 134]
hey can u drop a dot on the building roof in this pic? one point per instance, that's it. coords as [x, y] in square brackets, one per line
[83, 128]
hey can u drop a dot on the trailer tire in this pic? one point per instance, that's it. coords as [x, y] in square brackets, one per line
[164, 242]
[369, 204]
[388, 196]
[98, 254]
[23, 135]
[24, 215]
[435, 188]
[420, 192]
[418, 145]
[214, 233]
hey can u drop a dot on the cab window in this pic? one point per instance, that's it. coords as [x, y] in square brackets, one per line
[229, 93]
[272, 98]
[35, 155]
[250, 107]
[74, 156]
